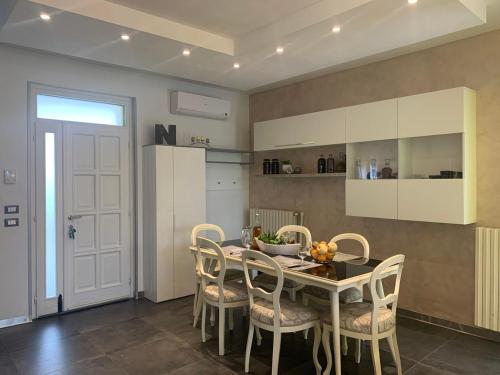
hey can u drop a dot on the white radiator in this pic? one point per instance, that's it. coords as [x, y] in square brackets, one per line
[272, 220]
[487, 278]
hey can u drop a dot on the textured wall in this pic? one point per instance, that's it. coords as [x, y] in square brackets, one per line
[438, 279]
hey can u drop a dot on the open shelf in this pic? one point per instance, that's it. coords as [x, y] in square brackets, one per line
[365, 151]
[421, 157]
[303, 175]
[228, 156]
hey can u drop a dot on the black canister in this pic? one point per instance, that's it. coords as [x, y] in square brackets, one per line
[266, 166]
[275, 166]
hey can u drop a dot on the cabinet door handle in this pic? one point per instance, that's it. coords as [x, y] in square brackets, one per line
[296, 144]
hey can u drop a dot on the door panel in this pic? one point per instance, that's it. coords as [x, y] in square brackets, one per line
[189, 210]
[97, 260]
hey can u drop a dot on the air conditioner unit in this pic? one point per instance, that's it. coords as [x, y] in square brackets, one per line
[185, 103]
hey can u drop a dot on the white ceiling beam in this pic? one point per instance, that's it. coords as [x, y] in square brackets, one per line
[136, 20]
[309, 16]
[476, 7]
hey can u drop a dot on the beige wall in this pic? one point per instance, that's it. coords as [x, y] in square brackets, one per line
[438, 279]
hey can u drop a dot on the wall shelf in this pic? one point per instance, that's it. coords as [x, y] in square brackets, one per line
[303, 175]
[228, 156]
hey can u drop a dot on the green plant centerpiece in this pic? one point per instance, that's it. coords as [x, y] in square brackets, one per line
[270, 242]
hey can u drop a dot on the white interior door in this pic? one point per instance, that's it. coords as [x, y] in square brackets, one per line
[82, 183]
[96, 208]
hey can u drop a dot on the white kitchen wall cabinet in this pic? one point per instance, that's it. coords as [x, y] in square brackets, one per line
[372, 121]
[311, 129]
[174, 202]
[372, 198]
[437, 201]
[438, 112]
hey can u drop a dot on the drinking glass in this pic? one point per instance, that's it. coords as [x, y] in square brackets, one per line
[303, 252]
[246, 237]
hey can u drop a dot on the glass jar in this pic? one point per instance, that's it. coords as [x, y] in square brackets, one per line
[341, 165]
[266, 166]
[256, 231]
[275, 166]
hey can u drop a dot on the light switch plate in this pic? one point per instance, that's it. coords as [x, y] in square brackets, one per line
[9, 176]
[11, 209]
[14, 222]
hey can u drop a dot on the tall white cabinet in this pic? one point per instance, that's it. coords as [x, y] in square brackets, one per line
[174, 190]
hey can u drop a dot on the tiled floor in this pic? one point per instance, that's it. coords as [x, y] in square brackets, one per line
[144, 338]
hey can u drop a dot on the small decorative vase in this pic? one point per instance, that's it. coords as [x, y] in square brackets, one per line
[287, 168]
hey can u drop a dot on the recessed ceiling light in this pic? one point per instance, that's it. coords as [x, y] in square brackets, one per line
[45, 16]
[412, 1]
[186, 52]
[280, 50]
[236, 65]
[336, 29]
[125, 37]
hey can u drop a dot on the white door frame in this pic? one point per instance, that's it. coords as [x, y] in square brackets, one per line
[130, 121]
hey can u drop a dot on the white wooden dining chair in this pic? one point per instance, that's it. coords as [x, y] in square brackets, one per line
[371, 321]
[290, 286]
[321, 296]
[216, 291]
[231, 274]
[268, 311]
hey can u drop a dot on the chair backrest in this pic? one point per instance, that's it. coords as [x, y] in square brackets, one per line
[297, 229]
[389, 267]
[206, 277]
[207, 228]
[254, 291]
[355, 237]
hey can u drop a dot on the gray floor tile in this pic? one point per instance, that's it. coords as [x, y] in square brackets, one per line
[53, 355]
[467, 355]
[7, 367]
[102, 365]
[158, 357]
[420, 369]
[121, 335]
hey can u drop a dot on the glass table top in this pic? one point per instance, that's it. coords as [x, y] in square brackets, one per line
[337, 271]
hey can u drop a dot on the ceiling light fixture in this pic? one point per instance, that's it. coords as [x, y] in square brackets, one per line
[280, 50]
[186, 52]
[412, 1]
[45, 16]
[125, 37]
[236, 65]
[336, 29]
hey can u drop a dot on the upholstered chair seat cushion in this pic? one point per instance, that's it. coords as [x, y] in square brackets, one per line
[265, 279]
[233, 292]
[346, 296]
[292, 313]
[357, 317]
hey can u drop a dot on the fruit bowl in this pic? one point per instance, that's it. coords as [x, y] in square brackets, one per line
[288, 249]
[323, 252]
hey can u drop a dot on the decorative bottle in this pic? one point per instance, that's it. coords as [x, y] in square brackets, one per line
[373, 169]
[256, 231]
[330, 164]
[341, 166]
[321, 164]
[387, 170]
[359, 170]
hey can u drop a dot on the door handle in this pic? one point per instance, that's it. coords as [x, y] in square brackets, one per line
[74, 217]
[296, 144]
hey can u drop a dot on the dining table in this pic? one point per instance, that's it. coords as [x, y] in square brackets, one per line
[344, 272]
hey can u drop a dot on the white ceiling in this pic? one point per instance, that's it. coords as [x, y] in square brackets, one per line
[221, 32]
